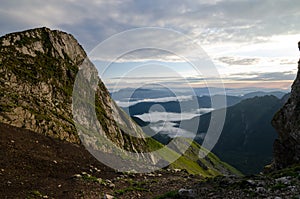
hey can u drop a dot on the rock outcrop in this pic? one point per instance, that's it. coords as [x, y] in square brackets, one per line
[37, 74]
[287, 123]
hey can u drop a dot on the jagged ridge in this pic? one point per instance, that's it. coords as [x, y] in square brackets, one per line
[287, 123]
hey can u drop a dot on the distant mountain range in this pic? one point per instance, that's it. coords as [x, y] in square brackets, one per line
[188, 105]
[247, 137]
[136, 94]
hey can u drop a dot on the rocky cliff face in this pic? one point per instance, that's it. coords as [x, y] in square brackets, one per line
[37, 73]
[287, 123]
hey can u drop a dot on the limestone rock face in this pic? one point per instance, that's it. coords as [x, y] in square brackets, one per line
[287, 123]
[37, 73]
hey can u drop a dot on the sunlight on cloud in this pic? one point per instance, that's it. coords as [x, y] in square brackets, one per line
[153, 117]
[156, 116]
[163, 99]
[169, 129]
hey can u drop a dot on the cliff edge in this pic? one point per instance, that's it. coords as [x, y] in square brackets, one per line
[287, 123]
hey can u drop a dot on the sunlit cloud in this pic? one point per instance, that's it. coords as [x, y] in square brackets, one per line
[156, 116]
[170, 129]
[162, 99]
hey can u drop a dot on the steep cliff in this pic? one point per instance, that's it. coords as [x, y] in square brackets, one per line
[287, 123]
[37, 74]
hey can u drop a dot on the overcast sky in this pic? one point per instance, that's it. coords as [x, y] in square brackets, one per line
[251, 42]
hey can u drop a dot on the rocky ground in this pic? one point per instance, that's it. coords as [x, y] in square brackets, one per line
[36, 166]
[276, 185]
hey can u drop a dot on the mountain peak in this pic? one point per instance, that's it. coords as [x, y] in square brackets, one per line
[44, 40]
[38, 69]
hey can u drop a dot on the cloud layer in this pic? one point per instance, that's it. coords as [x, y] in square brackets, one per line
[240, 35]
[162, 99]
[95, 20]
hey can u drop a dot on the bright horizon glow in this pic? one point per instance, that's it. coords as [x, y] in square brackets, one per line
[235, 64]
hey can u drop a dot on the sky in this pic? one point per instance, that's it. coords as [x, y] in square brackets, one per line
[251, 43]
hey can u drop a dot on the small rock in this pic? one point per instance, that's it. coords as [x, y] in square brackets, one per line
[77, 176]
[112, 185]
[59, 185]
[277, 197]
[261, 183]
[55, 161]
[96, 169]
[260, 190]
[251, 182]
[186, 193]
[12, 141]
[107, 196]
[292, 188]
[284, 180]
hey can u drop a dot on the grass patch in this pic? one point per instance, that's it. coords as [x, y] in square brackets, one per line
[129, 189]
[279, 186]
[34, 194]
[134, 186]
[168, 195]
[91, 178]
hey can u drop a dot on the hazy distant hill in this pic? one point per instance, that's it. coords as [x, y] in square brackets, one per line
[278, 94]
[134, 94]
[247, 137]
[179, 106]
